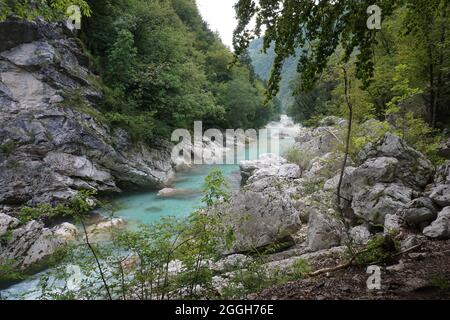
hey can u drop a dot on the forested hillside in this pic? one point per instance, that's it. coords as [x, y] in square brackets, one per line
[411, 70]
[262, 63]
[163, 69]
[398, 75]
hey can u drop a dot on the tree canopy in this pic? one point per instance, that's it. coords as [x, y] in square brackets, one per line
[160, 60]
[326, 33]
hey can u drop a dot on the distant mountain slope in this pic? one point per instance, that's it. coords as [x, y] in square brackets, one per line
[262, 64]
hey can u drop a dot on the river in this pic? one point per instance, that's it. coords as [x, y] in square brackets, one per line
[148, 207]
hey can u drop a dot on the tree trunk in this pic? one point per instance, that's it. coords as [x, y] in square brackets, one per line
[439, 85]
[96, 260]
[349, 133]
[431, 105]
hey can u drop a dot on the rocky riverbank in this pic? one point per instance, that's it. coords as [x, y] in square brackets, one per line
[389, 189]
[394, 187]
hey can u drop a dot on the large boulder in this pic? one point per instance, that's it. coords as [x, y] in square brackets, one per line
[170, 192]
[440, 228]
[390, 176]
[332, 184]
[444, 149]
[31, 243]
[418, 213]
[325, 231]
[412, 169]
[375, 170]
[270, 162]
[440, 193]
[262, 214]
[372, 203]
[285, 171]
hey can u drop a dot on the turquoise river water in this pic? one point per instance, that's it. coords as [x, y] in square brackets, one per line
[147, 207]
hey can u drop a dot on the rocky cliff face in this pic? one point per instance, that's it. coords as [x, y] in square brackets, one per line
[51, 140]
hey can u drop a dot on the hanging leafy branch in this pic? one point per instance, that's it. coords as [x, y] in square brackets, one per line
[318, 28]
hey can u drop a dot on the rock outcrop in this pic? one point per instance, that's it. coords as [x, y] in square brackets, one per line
[444, 149]
[325, 231]
[391, 175]
[52, 139]
[440, 228]
[262, 214]
[441, 190]
[25, 245]
[418, 213]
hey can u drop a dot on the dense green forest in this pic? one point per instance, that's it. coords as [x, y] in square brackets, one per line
[164, 68]
[412, 50]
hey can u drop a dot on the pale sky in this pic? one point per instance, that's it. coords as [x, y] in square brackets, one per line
[220, 16]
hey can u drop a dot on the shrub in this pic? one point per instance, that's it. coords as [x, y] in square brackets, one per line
[79, 205]
[363, 134]
[312, 186]
[8, 147]
[379, 250]
[44, 212]
[140, 127]
[441, 282]
[300, 158]
[299, 269]
[75, 99]
[254, 277]
[9, 273]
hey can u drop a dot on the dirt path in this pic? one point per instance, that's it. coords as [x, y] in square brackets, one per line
[423, 274]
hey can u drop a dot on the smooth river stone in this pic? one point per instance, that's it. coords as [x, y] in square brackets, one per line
[169, 192]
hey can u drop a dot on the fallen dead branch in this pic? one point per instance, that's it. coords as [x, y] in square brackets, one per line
[352, 259]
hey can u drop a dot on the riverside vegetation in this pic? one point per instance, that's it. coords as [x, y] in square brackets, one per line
[372, 189]
[174, 258]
